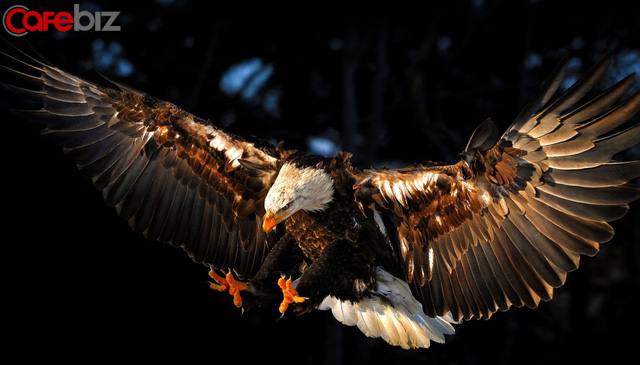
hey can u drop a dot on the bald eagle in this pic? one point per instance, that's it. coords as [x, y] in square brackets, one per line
[403, 254]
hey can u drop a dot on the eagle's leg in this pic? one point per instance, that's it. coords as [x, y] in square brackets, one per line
[283, 260]
[289, 293]
[342, 270]
[230, 284]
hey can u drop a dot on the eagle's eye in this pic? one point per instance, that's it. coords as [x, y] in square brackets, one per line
[286, 206]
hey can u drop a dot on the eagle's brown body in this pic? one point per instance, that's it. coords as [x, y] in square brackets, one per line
[332, 254]
[314, 232]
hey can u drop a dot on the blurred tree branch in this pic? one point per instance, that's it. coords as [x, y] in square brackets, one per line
[192, 101]
[377, 128]
[350, 62]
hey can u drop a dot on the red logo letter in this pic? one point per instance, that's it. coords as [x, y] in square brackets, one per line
[59, 21]
[27, 26]
[7, 20]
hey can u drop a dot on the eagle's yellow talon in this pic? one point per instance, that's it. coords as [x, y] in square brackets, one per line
[235, 287]
[230, 284]
[290, 294]
[220, 284]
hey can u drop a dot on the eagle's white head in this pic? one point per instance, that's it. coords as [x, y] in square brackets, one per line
[296, 188]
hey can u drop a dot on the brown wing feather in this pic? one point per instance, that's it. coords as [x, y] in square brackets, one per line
[506, 224]
[174, 177]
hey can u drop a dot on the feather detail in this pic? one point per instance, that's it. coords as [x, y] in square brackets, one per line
[391, 313]
[528, 204]
[173, 176]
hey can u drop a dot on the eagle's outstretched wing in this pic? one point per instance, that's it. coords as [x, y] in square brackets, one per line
[504, 225]
[137, 149]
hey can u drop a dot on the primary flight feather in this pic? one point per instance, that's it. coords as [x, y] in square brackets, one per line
[401, 253]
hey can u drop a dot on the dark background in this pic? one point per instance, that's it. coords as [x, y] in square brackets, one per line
[398, 88]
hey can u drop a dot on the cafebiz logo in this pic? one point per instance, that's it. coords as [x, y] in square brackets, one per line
[18, 20]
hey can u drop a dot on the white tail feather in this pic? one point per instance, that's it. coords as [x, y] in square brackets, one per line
[398, 318]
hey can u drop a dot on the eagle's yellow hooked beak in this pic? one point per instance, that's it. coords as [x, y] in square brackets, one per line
[270, 220]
